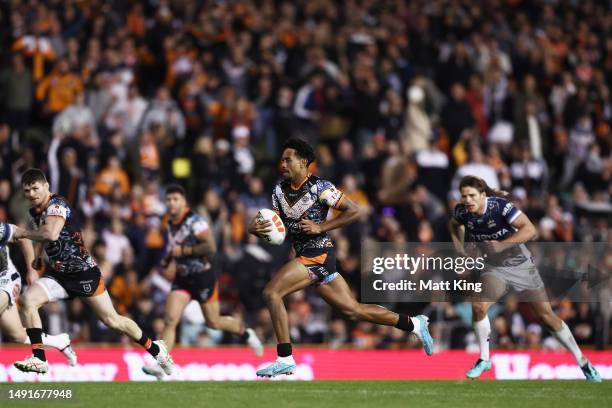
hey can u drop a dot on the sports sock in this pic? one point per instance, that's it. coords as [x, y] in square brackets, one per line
[52, 341]
[482, 329]
[566, 338]
[405, 322]
[284, 349]
[35, 336]
[146, 342]
[245, 335]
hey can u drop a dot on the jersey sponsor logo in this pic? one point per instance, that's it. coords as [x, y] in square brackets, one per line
[507, 209]
[491, 237]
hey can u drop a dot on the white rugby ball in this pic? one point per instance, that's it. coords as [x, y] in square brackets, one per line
[278, 233]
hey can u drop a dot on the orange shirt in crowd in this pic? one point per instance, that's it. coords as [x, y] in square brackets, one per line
[58, 90]
[108, 179]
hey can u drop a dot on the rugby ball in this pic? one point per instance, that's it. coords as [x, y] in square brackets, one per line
[278, 233]
[6, 233]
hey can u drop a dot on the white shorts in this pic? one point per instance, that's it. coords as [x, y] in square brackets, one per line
[519, 278]
[10, 282]
[54, 290]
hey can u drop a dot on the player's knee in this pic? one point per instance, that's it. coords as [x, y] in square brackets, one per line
[112, 321]
[270, 296]
[28, 303]
[479, 310]
[353, 313]
[213, 323]
[171, 321]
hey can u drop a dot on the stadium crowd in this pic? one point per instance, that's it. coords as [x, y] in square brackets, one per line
[115, 99]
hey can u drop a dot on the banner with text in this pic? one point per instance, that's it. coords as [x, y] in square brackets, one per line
[118, 364]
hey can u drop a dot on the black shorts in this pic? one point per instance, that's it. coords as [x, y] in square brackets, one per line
[321, 264]
[86, 283]
[200, 286]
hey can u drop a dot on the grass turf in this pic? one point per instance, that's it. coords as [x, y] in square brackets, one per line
[322, 394]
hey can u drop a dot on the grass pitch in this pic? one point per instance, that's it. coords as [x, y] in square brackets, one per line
[323, 394]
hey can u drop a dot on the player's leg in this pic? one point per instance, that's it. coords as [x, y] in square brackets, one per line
[103, 308]
[338, 294]
[292, 277]
[212, 313]
[175, 306]
[11, 325]
[176, 302]
[4, 301]
[493, 289]
[543, 311]
[42, 291]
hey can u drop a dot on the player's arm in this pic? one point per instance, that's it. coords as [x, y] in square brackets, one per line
[525, 231]
[457, 231]
[29, 256]
[206, 246]
[49, 231]
[349, 213]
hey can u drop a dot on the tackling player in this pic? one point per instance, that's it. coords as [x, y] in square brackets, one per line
[302, 201]
[484, 215]
[10, 288]
[74, 273]
[191, 244]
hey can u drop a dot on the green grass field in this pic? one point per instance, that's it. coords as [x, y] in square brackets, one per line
[322, 394]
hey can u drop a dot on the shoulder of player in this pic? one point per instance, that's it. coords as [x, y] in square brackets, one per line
[57, 202]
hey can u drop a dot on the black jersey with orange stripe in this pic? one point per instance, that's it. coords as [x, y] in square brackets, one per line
[68, 253]
[311, 201]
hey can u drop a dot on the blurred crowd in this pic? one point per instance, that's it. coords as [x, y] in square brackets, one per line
[115, 99]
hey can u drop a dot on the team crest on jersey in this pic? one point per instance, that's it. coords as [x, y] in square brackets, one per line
[491, 223]
[470, 225]
[87, 287]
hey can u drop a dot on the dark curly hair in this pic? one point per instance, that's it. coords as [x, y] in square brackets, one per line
[302, 148]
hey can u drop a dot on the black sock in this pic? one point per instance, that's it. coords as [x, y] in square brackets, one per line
[148, 344]
[35, 336]
[244, 336]
[404, 323]
[283, 349]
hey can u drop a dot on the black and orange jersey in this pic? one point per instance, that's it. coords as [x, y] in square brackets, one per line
[68, 253]
[310, 201]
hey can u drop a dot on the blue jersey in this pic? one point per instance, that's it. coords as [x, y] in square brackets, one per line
[495, 224]
[68, 253]
[311, 201]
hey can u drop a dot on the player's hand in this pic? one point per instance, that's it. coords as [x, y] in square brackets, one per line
[37, 264]
[310, 227]
[32, 276]
[176, 251]
[18, 233]
[496, 246]
[259, 228]
[166, 260]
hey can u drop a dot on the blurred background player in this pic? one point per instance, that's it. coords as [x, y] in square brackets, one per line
[191, 248]
[484, 215]
[10, 288]
[73, 273]
[303, 201]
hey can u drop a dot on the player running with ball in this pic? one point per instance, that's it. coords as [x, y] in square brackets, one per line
[302, 201]
[484, 215]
